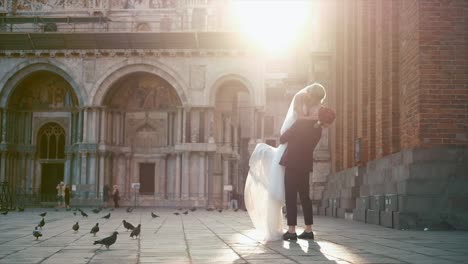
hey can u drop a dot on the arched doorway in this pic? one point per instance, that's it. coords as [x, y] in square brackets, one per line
[41, 113]
[234, 129]
[142, 110]
[51, 154]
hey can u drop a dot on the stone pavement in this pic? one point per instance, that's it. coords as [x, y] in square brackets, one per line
[213, 237]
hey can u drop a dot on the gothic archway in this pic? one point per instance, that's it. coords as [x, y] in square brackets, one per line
[142, 110]
[235, 126]
[39, 98]
[51, 154]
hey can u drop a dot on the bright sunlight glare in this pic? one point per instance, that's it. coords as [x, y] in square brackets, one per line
[274, 25]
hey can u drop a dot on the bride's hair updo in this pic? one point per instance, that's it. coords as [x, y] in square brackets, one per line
[317, 91]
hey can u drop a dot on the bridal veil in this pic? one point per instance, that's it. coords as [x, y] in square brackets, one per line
[264, 186]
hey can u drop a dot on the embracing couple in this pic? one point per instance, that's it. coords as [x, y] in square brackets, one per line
[276, 175]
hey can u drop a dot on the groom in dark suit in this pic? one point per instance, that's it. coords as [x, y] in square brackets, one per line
[302, 138]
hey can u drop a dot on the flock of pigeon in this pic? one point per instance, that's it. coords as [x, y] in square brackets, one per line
[108, 241]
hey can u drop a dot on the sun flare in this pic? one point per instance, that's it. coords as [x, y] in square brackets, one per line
[270, 24]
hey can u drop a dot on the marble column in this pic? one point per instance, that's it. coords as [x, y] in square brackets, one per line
[162, 176]
[80, 126]
[201, 177]
[102, 134]
[128, 175]
[76, 168]
[227, 130]
[31, 171]
[157, 181]
[92, 174]
[184, 126]
[116, 127]
[2, 167]
[85, 125]
[102, 164]
[67, 177]
[185, 175]
[109, 128]
[83, 170]
[92, 120]
[4, 125]
[178, 172]
[225, 180]
[27, 172]
[210, 126]
[178, 126]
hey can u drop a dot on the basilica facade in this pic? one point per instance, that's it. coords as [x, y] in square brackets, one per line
[128, 93]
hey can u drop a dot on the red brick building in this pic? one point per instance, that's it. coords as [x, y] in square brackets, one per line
[399, 84]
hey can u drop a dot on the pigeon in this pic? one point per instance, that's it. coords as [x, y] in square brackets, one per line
[95, 229]
[136, 232]
[237, 209]
[129, 209]
[96, 210]
[154, 215]
[127, 225]
[209, 209]
[193, 209]
[43, 214]
[83, 214]
[108, 241]
[107, 216]
[176, 213]
[41, 223]
[180, 209]
[37, 233]
[75, 209]
[220, 210]
[5, 212]
[76, 227]
[74, 213]
[20, 209]
[185, 213]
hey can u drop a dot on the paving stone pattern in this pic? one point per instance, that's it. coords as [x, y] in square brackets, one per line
[213, 237]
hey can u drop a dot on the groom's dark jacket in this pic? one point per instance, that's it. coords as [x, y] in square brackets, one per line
[302, 137]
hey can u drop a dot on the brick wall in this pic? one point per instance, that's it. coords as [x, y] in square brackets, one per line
[443, 68]
[401, 77]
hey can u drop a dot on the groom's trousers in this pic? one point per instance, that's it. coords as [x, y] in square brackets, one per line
[297, 180]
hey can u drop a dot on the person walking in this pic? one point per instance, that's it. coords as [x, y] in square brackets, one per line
[116, 196]
[67, 196]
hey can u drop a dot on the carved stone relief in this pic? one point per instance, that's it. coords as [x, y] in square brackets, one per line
[146, 132]
[142, 91]
[48, 5]
[43, 91]
[197, 77]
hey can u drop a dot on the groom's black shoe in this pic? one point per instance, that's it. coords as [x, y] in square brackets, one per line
[289, 236]
[306, 235]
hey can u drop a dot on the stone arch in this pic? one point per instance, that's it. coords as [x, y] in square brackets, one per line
[99, 92]
[218, 83]
[22, 70]
[41, 123]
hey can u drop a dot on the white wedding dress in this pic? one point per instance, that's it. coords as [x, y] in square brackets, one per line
[264, 186]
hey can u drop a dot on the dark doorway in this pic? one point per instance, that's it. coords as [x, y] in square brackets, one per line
[147, 178]
[51, 175]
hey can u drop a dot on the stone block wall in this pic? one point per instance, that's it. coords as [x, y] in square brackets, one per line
[412, 189]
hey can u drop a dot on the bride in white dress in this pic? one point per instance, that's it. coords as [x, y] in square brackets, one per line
[264, 186]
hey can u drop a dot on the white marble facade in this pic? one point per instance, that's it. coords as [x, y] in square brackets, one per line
[180, 115]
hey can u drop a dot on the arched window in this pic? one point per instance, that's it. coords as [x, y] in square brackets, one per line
[51, 139]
